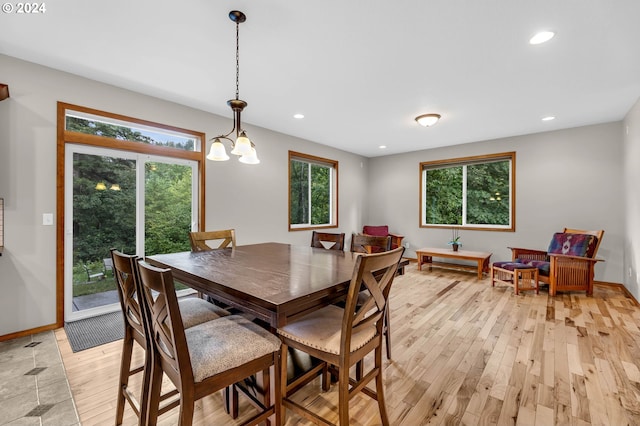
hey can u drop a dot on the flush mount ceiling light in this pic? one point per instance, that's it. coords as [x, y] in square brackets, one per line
[242, 145]
[428, 120]
[541, 37]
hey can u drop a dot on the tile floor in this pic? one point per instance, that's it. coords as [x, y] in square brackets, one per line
[33, 384]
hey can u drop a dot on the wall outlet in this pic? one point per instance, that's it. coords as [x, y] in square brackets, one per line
[406, 245]
[47, 219]
[630, 272]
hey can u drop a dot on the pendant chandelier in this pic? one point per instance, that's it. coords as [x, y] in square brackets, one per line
[242, 146]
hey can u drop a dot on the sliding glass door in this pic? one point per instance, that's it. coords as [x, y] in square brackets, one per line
[133, 202]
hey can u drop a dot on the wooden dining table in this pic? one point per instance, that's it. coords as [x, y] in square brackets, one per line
[276, 282]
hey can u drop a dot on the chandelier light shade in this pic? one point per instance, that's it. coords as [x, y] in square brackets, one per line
[100, 186]
[428, 120]
[242, 145]
[217, 151]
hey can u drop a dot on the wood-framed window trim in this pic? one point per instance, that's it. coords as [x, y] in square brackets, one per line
[334, 192]
[478, 159]
[65, 136]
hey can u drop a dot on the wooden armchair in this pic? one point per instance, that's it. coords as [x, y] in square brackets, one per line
[568, 264]
[383, 231]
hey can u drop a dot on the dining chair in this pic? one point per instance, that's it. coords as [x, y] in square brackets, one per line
[207, 357]
[383, 230]
[361, 243]
[333, 241]
[195, 311]
[201, 241]
[342, 337]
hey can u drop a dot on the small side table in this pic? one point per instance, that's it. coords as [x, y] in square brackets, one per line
[521, 276]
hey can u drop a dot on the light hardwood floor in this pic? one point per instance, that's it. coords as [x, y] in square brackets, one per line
[463, 353]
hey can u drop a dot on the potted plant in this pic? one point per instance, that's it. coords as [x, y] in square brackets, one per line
[455, 239]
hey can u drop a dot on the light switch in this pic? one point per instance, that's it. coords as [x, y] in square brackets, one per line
[47, 218]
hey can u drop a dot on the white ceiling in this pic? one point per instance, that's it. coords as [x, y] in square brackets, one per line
[360, 71]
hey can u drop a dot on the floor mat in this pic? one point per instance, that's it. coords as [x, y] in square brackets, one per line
[87, 333]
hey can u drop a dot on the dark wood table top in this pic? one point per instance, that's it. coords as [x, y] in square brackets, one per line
[274, 281]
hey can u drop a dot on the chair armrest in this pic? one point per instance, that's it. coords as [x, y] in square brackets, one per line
[524, 253]
[561, 257]
[396, 240]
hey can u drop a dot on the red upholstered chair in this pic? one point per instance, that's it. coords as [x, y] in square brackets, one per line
[383, 231]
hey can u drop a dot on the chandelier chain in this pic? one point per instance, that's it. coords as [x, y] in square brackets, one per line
[237, 60]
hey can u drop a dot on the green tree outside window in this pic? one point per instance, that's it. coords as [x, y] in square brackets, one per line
[473, 192]
[312, 183]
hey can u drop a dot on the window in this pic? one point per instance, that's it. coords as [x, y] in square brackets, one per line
[129, 184]
[313, 192]
[124, 130]
[472, 192]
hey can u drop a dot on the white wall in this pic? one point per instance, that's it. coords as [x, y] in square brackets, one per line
[631, 130]
[253, 199]
[568, 178]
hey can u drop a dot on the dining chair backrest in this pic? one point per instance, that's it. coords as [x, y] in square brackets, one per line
[124, 271]
[369, 243]
[201, 241]
[333, 241]
[369, 289]
[166, 329]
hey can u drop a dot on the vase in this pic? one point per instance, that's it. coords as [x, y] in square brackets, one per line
[455, 246]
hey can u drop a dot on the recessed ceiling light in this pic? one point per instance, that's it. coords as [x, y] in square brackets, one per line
[548, 118]
[298, 116]
[542, 37]
[428, 120]
[382, 146]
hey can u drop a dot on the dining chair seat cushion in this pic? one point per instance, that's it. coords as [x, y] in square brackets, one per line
[196, 311]
[225, 343]
[321, 330]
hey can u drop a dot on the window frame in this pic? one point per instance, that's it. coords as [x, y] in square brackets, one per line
[465, 161]
[64, 137]
[333, 166]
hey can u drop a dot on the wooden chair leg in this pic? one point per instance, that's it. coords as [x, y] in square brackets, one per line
[380, 388]
[326, 378]
[187, 406]
[387, 332]
[343, 395]
[359, 370]
[231, 401]
[155, 386]
[125, 368]
[284, 353]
